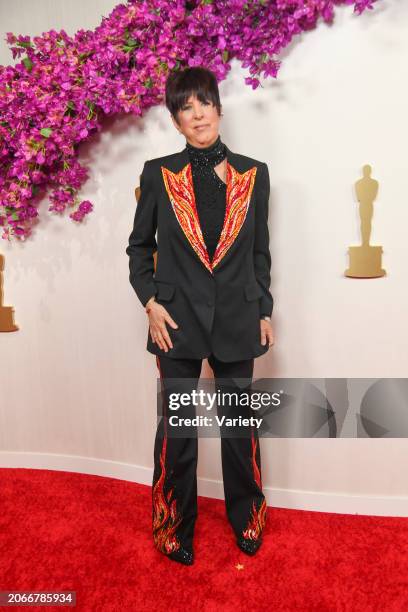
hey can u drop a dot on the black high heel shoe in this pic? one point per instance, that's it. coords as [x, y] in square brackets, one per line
[249, 546]
[182, 556]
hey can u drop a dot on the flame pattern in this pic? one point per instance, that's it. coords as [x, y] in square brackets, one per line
[257, 473]
[166, 518]
[180, 189]
[257, 520]
[256, 523]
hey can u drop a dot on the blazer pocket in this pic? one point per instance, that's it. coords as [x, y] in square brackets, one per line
[253, 291]
[165, 291]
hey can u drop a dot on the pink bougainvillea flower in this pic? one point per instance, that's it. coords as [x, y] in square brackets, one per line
[62, 87]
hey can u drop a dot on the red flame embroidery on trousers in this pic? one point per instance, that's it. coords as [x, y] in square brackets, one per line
[257, 521]
[166, 518]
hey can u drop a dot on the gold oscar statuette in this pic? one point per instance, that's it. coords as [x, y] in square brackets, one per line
[6, 312]
[365, 260]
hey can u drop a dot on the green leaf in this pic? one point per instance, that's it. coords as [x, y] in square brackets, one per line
[28, 63]
[225, 56]
[70, 109]
[131, 44]
[25, 45]
[46, 132]
[91, 107]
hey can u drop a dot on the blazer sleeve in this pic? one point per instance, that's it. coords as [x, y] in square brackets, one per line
[262, 256]
[142, 240]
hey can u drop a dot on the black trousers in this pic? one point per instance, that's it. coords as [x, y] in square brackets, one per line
[174, 487]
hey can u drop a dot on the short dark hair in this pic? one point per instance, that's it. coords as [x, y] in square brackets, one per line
[196, 80]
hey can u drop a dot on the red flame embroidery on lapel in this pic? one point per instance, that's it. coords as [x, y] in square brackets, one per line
[239, 191]
[180, 189]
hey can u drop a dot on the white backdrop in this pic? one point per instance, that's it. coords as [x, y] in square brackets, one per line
[77, 387]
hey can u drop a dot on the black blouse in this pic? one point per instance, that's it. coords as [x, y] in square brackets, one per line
[209, 190]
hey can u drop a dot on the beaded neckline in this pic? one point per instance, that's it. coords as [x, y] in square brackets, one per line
[204, 159]
[203, 150]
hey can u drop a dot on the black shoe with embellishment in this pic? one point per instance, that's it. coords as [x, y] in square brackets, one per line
[249, 546]
[182, 555]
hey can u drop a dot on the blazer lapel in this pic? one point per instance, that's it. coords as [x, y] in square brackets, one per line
[180, 190]
[239, 192]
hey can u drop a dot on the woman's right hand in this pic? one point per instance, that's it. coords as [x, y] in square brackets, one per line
[158, 317]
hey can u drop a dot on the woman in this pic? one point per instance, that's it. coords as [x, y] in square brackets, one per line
[207, 297]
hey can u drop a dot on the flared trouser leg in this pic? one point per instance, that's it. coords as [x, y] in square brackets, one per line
[240, 453]
[174, 487]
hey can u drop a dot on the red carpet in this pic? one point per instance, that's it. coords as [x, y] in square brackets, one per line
[64, 531]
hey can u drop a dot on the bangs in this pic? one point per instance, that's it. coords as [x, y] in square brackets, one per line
[196, 81]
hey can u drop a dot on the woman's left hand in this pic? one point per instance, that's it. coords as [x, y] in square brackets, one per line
[266, 332]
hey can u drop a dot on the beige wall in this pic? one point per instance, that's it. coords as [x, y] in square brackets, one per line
[77, 385]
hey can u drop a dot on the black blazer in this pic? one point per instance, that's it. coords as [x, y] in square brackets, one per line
[217, 305]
